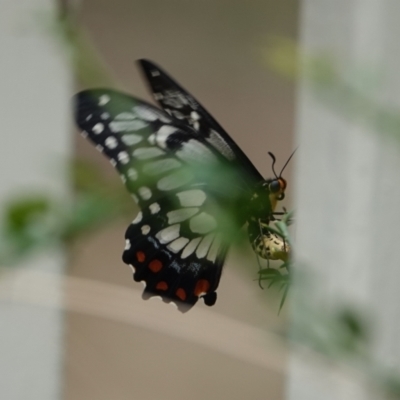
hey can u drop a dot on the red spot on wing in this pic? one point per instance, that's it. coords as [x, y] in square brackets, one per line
[202, 286]
[140, 256]
[155, 265]
[162, 285]
[181, 294]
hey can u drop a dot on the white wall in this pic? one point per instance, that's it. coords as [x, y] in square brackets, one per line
[34, 127]
[348, 189]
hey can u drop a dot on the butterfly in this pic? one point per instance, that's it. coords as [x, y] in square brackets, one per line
[194, 186]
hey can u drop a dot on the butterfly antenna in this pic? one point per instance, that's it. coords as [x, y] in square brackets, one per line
[287, 162]
[273, 164]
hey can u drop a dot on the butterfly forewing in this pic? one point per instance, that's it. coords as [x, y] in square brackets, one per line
[179, 103]
[178, 242]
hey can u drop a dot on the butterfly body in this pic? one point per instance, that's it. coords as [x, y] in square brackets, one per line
[194, 186]
[261, 207]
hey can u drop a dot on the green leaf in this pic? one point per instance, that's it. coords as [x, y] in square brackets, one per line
[285, 293]
[19, 214]
[286, 265]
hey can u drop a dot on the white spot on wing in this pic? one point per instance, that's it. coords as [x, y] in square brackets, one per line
[166, 130]
[105, 115]
[174, 99]
[174, 180]
[204, 246]
[132, 174]
[153, 297]
[123, 157]
[84, 134]
[145, 229]
[99, 147]
[178, 114]
[132, 268]
[126, 126]
[125, 116]
[154, 208]
[191, 247]
[143, 153]
[168, 234]
[163, 134]
[193, 150]
[212, 254]
[98, 128]
[195, 115]
[158, 167]
[178, 244]
[131, 139]
[192, 198]
[104, 99]
[111, 142]
[154, 72]
[138, 218]
[181, 215]
[202, 223]
[127, 244]
[164, 118]
[113, 162]
[219, 143]
[145, 193]
[145, 113]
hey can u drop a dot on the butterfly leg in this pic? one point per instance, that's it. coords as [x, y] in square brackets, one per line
[260, 267]
[280, 213]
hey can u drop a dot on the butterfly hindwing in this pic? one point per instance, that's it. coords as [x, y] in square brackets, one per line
[176, 246]
[176, 263]
[176, 243]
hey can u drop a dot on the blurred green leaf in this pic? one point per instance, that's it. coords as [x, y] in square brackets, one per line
[20, 213]
[282, 55]
[351, 91]
[269, 272]
[284, 296]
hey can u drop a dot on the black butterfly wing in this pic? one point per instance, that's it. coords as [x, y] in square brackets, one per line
[177, 102]
[177, 243]
[176, 262]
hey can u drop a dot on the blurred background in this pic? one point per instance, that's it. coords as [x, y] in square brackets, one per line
[74, 324]
[72, 321]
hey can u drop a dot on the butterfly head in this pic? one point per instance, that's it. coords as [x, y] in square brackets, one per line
[276, 186]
